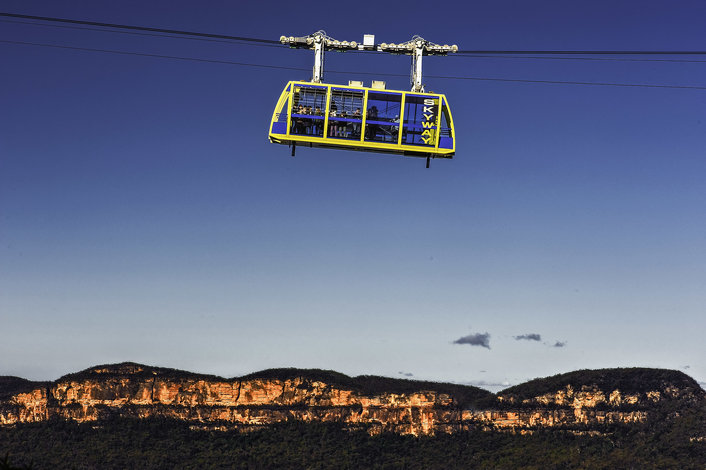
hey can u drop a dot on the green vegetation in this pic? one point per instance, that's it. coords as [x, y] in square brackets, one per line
[132, 369]
[673, 437]
[10, 386]
[5, 464]
[161, 443]
[627, 380]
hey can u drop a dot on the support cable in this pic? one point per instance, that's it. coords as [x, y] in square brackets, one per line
[443, 77]
[271, 41]
[140, 28]
[137, 33]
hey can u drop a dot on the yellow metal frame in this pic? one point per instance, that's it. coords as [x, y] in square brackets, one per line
[434, 151]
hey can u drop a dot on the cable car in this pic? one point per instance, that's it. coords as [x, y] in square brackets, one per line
[372, 119]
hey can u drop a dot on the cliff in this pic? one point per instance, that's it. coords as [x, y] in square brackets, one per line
[585, 401]
[591, 399]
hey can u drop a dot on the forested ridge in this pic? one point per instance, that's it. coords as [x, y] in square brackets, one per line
[672, 436]
[159, 443]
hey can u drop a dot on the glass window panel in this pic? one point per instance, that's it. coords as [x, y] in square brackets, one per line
[383, 117]
[281, 111]
[308, 105]
[345, 113]
[445, 121]
[420, 116]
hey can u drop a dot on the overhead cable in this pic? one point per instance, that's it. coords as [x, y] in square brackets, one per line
[586, 52]
[611, 59]
[279, 45]
[138, 33]
[271, 41]
[140, 28]
[143, 54]
[443, 77]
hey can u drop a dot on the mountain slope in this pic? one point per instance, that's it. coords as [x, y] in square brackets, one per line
[585, 401]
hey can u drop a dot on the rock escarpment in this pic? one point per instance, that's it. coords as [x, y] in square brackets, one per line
[591, 399]
[580, 400]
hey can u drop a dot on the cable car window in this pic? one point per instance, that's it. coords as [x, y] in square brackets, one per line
[420, 117]
[382, 122]
[445, 131]
[279, 120]
[308, 105]
[281, 114]
[345, 113]
[445, 122]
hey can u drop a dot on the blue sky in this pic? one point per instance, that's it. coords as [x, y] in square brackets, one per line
[144, 216]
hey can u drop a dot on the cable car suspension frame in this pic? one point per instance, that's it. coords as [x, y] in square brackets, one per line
[417, 47]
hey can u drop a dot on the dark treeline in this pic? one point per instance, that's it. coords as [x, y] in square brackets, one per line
[161, 443]
[627, 380]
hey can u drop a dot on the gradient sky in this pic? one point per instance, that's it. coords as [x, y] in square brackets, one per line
[144, 216]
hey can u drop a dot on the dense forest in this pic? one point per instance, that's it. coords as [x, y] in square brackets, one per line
[160, 443]
[627, 380]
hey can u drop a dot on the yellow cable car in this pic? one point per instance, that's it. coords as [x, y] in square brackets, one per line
[370, 119]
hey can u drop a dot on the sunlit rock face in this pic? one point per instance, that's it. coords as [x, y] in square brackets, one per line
[27, 407]
[417, 408]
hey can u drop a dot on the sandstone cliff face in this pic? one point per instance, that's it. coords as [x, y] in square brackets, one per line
[139, 391]
[253, 402]
[591, 396]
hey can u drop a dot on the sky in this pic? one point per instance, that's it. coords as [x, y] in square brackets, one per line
[145, 217]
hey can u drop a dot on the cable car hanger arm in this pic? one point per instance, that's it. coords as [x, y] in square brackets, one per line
[417, 47]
